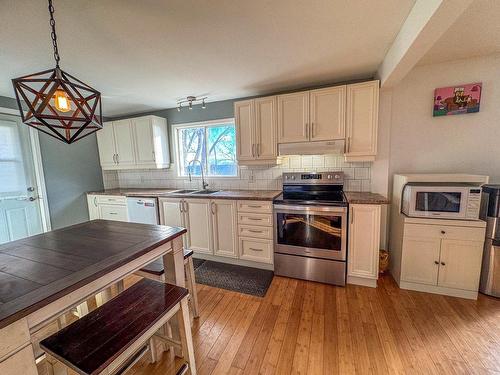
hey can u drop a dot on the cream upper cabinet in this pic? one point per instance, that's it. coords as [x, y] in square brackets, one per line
[151, 142]
[364, 242]
[255, 121]
[327, 113]
[460, 264]
[225, 238]
[198, 222]
[141, 142]
[362, 104]
[245, 130]
[124, 142]
[293, 117]
[265, 128]
[421, 259]
[106, 145]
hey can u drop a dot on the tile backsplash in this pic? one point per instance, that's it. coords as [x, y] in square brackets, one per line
[357, 175]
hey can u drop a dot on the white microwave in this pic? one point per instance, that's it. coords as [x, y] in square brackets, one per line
[442, 201]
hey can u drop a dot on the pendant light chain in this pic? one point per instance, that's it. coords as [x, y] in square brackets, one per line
[53, 33]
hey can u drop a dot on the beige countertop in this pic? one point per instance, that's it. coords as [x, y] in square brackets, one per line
[354, 197]
[222, 194]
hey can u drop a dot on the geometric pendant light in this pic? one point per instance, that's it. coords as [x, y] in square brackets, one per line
[56, 103]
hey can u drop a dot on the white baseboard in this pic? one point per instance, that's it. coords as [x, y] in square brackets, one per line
[372, 283]
[469, 294]
[238, 262]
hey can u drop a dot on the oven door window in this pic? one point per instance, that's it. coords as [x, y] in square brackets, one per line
[438, 201]
[315, 231]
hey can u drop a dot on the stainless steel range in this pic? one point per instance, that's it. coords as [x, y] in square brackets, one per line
[311, 227]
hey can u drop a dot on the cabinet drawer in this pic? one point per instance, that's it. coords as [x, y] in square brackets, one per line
[444, 232]
[111, 212]
[13, 336]
[255, 206]
[111, 199]
[255, 219]
[245, 230]
[257, 250]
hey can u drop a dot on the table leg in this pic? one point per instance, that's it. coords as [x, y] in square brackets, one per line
[173, 263]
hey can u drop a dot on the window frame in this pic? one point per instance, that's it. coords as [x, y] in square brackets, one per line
[198, 124]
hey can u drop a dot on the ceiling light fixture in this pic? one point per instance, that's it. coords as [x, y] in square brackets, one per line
[57, 103]
[190, 100]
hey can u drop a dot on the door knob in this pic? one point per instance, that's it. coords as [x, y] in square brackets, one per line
[31, 188]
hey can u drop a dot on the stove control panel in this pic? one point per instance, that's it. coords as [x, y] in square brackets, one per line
[311, 178]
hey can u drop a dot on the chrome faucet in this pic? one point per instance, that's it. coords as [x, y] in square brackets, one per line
[203, 182]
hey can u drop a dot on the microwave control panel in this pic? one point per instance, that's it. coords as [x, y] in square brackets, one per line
[473, 204]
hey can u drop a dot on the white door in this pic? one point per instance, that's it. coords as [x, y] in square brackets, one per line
[106, 145]
[362, 119]
[420, 260]
[328, 113]
[265, 127]
[460, 264]
[199, 225]
[21, 205]
[224, 224]
[245, 137]
[124, 141]
[144, 147]
[364, 241]
[293, 117]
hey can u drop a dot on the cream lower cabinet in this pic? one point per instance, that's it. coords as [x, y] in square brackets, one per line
[364, 243]
[211, 224]
[224, 228]
[107, 207]
[444, 259]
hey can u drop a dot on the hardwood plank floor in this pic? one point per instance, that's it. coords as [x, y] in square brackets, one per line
[302, 327]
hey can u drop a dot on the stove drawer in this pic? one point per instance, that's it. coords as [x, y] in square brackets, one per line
[256, 250]
[255, 219]
[245, 230]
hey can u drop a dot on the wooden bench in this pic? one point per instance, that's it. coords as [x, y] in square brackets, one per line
[112, 338]
[155, 271]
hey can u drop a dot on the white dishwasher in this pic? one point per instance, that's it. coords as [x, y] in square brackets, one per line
[143, 210]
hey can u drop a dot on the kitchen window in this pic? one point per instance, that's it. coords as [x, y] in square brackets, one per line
[210, 145]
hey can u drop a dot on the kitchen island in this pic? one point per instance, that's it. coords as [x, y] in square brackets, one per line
[44, 276]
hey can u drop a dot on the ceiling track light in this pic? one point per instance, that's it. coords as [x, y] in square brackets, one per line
[190, 101]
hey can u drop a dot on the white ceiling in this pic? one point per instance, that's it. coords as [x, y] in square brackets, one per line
[144, 55]
[475, 33]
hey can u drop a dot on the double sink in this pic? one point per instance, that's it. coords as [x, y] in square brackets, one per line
[194, 191]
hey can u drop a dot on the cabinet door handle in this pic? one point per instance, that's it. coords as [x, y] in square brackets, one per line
[117, 159]
[254, 231]
[213, 208]
[312, 129]
[154, 156]
[258, 149]
[180, 206]
[443, 263]
[436, 262]
[253, 218]
[348, 144]
[254, 206]
[255, 249]
[306, 130]
[253, 150]
[95, 201]
[114, 160]
[185, 206]
[443, 232]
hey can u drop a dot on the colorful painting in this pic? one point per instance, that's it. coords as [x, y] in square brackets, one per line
[457, 100]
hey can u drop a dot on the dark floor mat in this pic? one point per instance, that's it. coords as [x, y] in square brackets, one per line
[197, 263]
[253, 281]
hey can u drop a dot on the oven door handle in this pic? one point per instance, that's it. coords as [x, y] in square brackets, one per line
[285, 207]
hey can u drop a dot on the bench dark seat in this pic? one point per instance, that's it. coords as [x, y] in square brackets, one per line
[156, 267]
[90, 344]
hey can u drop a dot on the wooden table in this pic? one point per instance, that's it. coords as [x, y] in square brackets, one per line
[44, 276]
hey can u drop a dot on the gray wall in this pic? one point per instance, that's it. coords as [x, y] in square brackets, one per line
[70, 171]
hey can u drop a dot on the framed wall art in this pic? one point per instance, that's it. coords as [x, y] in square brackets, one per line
[457, 100]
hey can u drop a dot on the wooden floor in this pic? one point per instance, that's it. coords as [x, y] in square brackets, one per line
[309, 328]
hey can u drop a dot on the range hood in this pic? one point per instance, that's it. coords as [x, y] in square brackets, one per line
[312, 148]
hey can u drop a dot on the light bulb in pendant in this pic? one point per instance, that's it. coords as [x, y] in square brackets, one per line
[61, 101]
